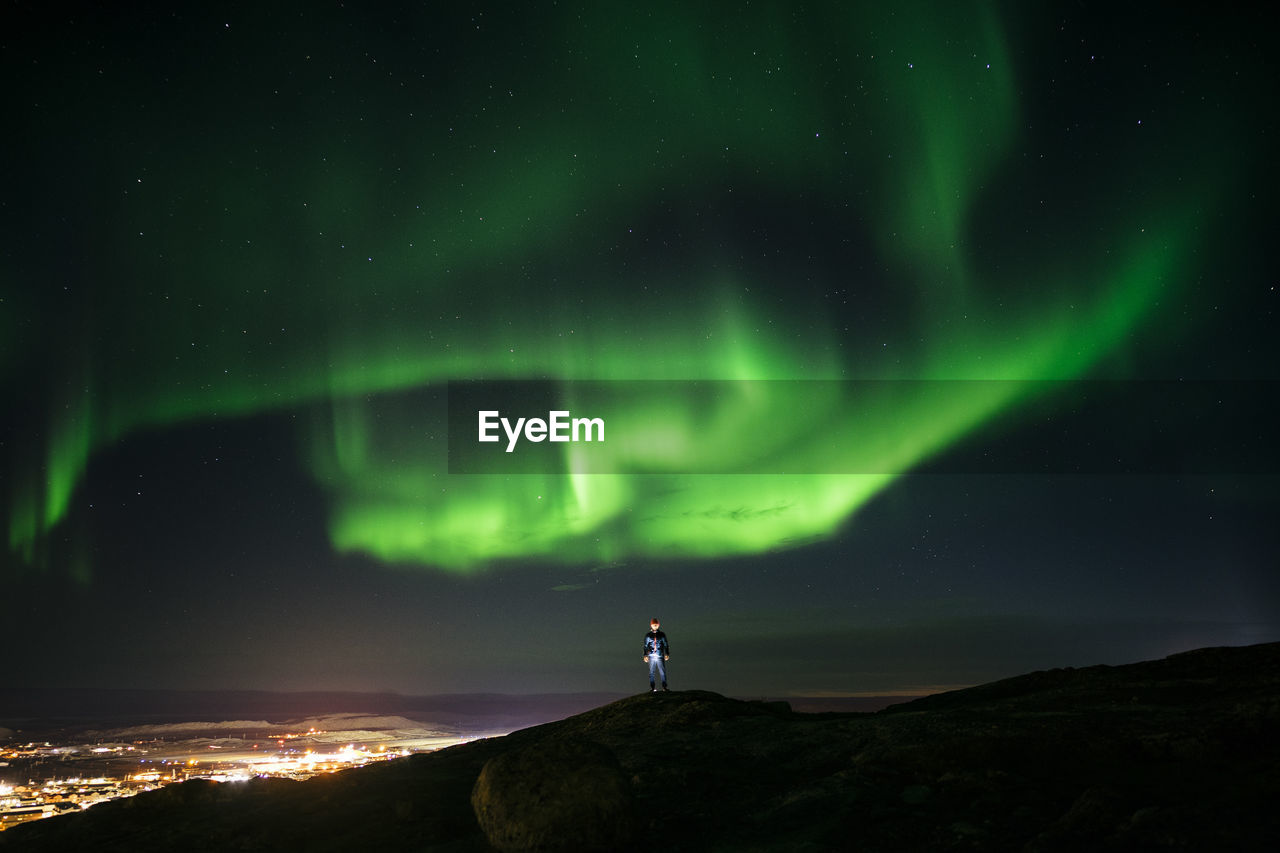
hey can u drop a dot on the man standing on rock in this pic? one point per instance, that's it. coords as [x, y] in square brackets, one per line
[657, 651]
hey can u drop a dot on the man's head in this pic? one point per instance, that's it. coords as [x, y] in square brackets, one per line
[653, 624]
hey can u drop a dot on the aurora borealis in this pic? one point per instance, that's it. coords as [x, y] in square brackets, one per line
[248, 251]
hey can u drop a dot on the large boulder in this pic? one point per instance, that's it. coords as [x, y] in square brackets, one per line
[555, 795]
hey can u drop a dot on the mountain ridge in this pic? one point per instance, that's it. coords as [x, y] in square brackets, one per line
[1177, 753]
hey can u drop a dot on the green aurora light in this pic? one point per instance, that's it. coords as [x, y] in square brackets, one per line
[311, 262]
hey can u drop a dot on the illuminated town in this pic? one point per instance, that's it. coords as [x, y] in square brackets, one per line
[62, 778]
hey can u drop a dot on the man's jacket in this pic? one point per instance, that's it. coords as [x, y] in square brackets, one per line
[656, 641]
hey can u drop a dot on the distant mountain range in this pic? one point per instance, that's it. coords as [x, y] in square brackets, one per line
[1175, 754]
[50, 708]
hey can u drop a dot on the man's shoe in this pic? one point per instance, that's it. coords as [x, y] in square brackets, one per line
[664, 689]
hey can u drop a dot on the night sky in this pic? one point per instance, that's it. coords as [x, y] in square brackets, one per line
[982, 293]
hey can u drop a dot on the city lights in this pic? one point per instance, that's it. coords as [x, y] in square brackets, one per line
[118, 770]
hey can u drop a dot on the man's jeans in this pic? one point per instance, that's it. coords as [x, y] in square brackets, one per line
[659, 667]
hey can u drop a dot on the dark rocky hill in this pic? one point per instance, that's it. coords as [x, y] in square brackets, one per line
[1177, 754]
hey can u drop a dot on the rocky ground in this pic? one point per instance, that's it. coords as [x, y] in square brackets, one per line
[1177, 754]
